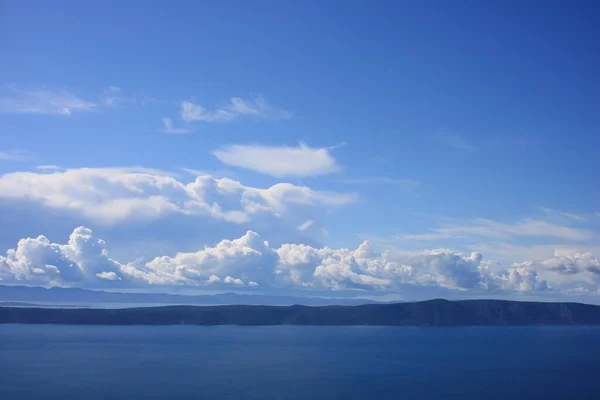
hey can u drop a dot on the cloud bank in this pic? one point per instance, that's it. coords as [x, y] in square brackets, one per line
[249, 261]
[109, 196]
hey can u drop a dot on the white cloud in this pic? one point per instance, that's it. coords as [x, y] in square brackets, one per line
[237, 107]
[84, 262]
[16, 155]
[111, 276]
[170, 129]
[457, 142]
[112, 195]
[279, 161]
[42, 101]
[233, 281]
[246, 258]
[570, 270]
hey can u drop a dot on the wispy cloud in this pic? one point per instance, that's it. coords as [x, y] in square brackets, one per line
[528, 227]
[382, 160]
[338, 146]
[112, 97]
[48, 168]
[306, 225]
[17, 100]
[170, 129]
[551, 212]
[237, 107]
[405, 184]
[279, 161]
[219, 173]
[456, 141]
[16, 155]
[50, 101]
[195, 172]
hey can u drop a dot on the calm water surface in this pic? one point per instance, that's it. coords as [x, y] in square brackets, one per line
[286, 362]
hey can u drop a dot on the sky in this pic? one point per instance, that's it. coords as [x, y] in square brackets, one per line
[396, 149]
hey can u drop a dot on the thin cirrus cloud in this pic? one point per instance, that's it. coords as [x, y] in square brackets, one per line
[61, 102]
[279, 161]
[528, 227]
[236, 108]
[408, 185]
[170, 129]
[48, 168]
[562, 214]
[457, 142]
[16, 155]
[16, 100]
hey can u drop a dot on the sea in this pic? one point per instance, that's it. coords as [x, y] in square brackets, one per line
[298, 362]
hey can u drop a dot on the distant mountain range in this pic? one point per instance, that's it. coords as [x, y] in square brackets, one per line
[425, 313]
[83, 296]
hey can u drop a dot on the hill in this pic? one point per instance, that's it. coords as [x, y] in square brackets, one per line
[425, 313]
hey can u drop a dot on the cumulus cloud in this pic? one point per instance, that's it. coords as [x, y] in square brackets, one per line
[113, 195]
[111, 276]
[234, 281]
[42, 101]
[82, 261]
[237, 107]
[249, 261]
[279, 161]
[568, 269]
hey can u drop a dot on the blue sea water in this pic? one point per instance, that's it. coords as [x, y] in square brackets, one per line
[298, 362]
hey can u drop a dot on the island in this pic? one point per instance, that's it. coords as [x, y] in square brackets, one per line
[436, 312]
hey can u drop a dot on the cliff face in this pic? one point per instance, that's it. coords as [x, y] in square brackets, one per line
[432, 312]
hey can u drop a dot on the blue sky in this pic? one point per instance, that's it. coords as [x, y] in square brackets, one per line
[464, 126]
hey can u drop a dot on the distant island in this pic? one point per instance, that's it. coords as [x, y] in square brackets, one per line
[25, 304]
[424, 313]
[59, 295]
